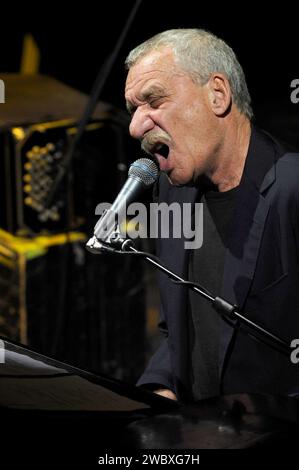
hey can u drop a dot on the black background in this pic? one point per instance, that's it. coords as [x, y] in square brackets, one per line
[74, 39]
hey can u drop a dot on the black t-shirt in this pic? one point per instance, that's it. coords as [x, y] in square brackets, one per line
[206, 266]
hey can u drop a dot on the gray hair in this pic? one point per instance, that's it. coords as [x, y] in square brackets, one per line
[200, 53]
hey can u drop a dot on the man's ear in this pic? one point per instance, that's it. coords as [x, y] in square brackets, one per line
[220, 95]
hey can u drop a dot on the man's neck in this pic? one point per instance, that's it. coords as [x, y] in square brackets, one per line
[232, 155]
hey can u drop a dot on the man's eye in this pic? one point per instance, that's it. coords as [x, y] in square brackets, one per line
[155, 102]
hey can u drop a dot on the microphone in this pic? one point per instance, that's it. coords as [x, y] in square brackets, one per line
[142, 175]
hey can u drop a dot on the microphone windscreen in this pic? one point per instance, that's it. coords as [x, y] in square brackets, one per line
[144, 169]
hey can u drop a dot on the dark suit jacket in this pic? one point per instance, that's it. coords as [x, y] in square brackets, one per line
[261, 276]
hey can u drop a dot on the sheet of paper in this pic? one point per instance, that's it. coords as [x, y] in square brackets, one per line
[16, 363]
[29, 381]
[62, 393]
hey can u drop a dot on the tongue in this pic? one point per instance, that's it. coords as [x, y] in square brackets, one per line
[162, 161]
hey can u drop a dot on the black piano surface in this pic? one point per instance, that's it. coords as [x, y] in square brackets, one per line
[47, 404]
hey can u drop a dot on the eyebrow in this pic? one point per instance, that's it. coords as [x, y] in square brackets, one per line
[145, 95]
[152, 90]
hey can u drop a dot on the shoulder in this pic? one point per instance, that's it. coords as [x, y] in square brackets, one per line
[287, 179]
[285, 159]
[287, 166]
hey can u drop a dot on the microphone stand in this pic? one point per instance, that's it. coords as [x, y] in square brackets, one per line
[229, 312]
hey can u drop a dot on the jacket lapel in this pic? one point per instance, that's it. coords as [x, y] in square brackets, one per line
[246, 230]
[174, 256]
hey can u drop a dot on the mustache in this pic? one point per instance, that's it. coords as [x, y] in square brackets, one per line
[152, 139]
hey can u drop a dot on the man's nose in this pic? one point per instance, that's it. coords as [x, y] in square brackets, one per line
[140, 124]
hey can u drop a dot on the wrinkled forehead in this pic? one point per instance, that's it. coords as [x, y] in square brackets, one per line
[155, 64]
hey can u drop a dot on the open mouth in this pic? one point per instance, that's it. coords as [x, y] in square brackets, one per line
[161, 150]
